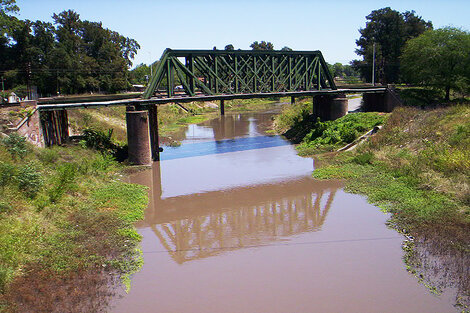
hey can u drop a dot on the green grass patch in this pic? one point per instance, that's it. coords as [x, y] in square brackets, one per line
[62, 211]
[330, 135]
[252, 105]
[194, 119]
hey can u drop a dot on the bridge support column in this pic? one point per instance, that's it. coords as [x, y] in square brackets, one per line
[373, 102]
[138, 137]
[292, 99]
[380, 102]
[329, 108]
[222, 107]
[153, 128]
[55, 127]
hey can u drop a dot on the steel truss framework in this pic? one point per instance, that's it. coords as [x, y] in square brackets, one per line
[219, 72]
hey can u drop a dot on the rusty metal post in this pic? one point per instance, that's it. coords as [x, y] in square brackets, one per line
[153, 125]
[222, 107]
[138, 137]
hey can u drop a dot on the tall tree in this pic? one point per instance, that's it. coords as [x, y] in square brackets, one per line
[263, 45]
[439, 58]
[140, 74]
[71, 55]
[8, 6]
[68, 56]
[89, 56]
[388, 30]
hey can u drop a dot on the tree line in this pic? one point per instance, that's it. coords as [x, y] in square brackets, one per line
[408, 50]
[67, 56]
[74, 56]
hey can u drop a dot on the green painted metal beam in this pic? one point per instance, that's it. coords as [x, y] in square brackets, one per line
[222, 72]
[184, 99]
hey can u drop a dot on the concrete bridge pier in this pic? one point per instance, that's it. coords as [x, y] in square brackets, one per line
[380, 102]
[373, 102]
[329, 108]
[138, 136]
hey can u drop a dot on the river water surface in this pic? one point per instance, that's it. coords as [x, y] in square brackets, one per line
[235, 223]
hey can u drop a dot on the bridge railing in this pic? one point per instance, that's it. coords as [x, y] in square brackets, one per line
[216, 72]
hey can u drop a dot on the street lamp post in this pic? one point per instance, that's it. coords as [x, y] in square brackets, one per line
[373, 65]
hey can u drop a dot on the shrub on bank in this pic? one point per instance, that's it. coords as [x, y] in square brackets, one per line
[331, 135]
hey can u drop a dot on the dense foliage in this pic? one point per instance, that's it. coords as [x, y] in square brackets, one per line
[263, 45]
[330, 135]
[389, 30]
[68, 56]
[141, 74]
[342, 71]
[439, 58]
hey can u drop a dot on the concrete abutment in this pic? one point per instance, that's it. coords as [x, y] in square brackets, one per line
[380, 102]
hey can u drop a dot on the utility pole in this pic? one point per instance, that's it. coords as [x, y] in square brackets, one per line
[373, 66]
[58, 87]
[151, 65]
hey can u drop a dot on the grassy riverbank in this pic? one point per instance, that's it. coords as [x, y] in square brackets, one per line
[417, 167]
[66, 223]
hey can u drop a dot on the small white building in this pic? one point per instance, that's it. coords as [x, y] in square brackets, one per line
[139, 88]
[13, 98]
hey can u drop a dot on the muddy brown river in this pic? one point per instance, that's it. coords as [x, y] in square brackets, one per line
[235, 223]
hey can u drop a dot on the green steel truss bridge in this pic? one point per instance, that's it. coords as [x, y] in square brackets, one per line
[183, 76]
[210, 75]
[229, 72]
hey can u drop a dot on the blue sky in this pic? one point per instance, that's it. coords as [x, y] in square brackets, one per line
[329, 26]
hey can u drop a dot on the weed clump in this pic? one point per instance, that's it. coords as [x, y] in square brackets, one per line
[29, 179]
[15, 145]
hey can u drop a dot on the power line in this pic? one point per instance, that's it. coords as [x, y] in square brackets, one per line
[278, 244]
[52, 70]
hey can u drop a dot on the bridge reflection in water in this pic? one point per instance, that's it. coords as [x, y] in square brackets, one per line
[201, 225]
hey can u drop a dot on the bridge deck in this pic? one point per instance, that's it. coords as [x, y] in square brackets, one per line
[184, 99]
